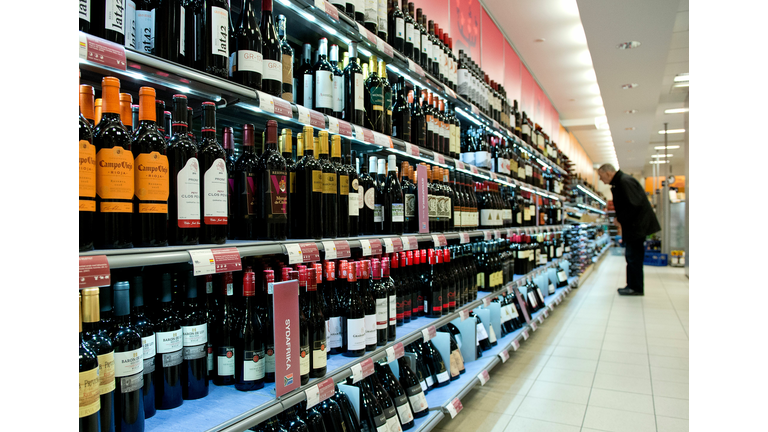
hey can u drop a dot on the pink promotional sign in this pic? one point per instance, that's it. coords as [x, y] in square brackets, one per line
[227, 259]
[421, 173]
[286, 329]
[94, 271]
[100, 51]
[376, 248]
[282, 107]
[316, 119]
[345, 128]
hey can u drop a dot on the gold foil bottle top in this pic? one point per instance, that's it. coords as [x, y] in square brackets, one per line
[323, 142]
[336, 146]
[299, 145]
[90, 305]
[286, 141]
[309, 142]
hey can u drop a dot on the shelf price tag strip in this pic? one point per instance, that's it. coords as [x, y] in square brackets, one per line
[454, 407]
[504, 355]
[365, 245]
[389, 247]
[94, 271]
[483, 377]
[464, 314]
[395, 352]
[397, 244]
[100, 51]
[376, 248]
[302, 252]
[329, 248]
[463, 238]
[328, 8]
[525, 334]
[515, 346]
[429, 333]
[221, 260]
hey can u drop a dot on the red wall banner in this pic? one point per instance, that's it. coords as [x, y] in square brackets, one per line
[466, 25]
[492, 49]
[513, 80]
[527, 93]
[437, 11]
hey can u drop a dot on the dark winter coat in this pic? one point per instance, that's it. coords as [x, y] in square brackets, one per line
[633, 210]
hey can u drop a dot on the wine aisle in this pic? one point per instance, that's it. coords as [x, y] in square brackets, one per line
[603, 362]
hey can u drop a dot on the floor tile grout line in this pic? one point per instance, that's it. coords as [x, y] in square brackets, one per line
[674, 307]
[650, 372]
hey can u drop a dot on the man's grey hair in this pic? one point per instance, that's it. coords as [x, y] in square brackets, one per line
[607, 168]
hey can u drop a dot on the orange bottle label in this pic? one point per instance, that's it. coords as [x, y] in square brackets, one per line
[114, 173]
[116, 207]
[153, 208]
[151, 178]
[87, 205]
[87, 171]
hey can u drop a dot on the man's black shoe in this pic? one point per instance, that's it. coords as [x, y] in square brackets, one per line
[629, 291]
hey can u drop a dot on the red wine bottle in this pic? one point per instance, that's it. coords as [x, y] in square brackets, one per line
[393, 205]
[169, 30]
[228, 143]
[272, 77]
[317, 327]
[343, 174]
[246, 182]
[114, 173]
[309, 184]
[90, 403]
[183, 180]
[385, 401]
[304, 342]
[395, 391]
[379, 292]
[354, 103]
[108, 20]
[369, 302]
[413, 390]
[389, 284]
[250, 359]
[169, 342]
[97, 340]
[246, 60]
[305, 94]
[151, 180]
[286, 59]
[273, 189]
[329, 213]
[213, 187]
[215, 38]
[87, 173]
[224, 335]
[194, 327]
[372, 416]
[337, 307]
[354, 321]
[147, 332]
[323, 81]
[129, 364]
[367, 195]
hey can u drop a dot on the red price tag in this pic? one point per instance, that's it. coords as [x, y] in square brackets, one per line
[525, 334]
[315, 118]
[413, 243]
[375, 246]
[496, 125]
[412, 149]
[546, 312]
[494, 176]
[326, 389]
[464, 314]
[475, 110]
[328, 8]
[459, 164]
[368, 136]
[487, 235]
[497, 234]
[457, 405]
[367, 367]
[228, 259]
[398, 244]
[99, 51]
[487, 301]
[504, 354]
[367, 33]
[385, 47]
[94, 271]
[438, 158]
[483, 377]
[534, 326]
[415, 68]
[449, 91]
[429, 333]
[382, 140]
[342, 249]
[463, 238]
[345, 128]
[283, 107]
[473, 169]
[515, 346]
[399, 350]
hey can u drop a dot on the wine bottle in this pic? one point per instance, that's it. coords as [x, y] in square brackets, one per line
[223, 333]
[456, 351]
[215, 38]
[379, 215]
[418, 119]
[272, 76]
[354, 103]
[147, 332]
[338, 308]
[292, 422]
[330, 206]
[126, 115]
[90, 383]
[129, 364]
[194, 328]
[387, 91]
[436, 364]
[316, 322]
[354, 321]
[343, 188]
[312, 418]
[305, 94]
[367, 195]
[369, 303]
[387, 405]
[456, 359]
[395, 391]
[338, 82]
[401, 113]
[114, 173]
[379, 292]
[273, 188]
[400, 287]
[268, 325]
[170, 32]
[413, 390]
[214, 186]
[250, 359]
[98, 341]
[87, 173]
[371, 15]
[347, 410]
[360, 11]
[426, 380]
[374, 98]
[381, 13]
[389, 285]
[323, 81]
[169, 344]
[332, 415]
[372, 416]
[482, 335]
[396, 27]
[394, 206]
[286, 59]
[246, 181]
[228, 143]
[246, 60]
[183, 179]
[309, 186]
[271, 425]
[108, 20]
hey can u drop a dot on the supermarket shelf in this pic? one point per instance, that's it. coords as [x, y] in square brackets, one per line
[238, 411]
[138, 257]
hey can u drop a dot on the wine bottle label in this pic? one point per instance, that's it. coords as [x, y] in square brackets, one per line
[114, 15]
[85, 14]
[170, 341]
[225, 360]
[219, 31]
[287, 68]
[393, 422]
[191, 353]
[145, 29]
[551, 289]
[491, 334]
[354, 203]
[323, 89]
[273, 70]
[417, 399]
[416, 38]
[188, 195]
[327, 336]
[362, 197]
[359, 92]
[403, 408]
[309, 96]
[114, 179]
[457, 363]
[195, 335]
[356, 333]
[338, 93]
[526, 213]
[253, 365]
[384, 427]
[371, 12]
[149, 365]
[410, 205]
[277, 195]
[329, 183]
[215, 203]
[531, 256]
[382, 14]
[561, 275]
[481, 333]
[317, 181]
[432, 206]
[392, 310]
[409, 32]
[131, 383]
[107, 372]
[182, 29]
[378, 212]
[377, 98]
[319, 355]
[507, 214]
[250, 61]
[532, 299]
[370, 329]
[209, 349]
[128, 363]
[521, 173]
[90, 402]
[172, 359]
[87, 175]
[129, 24]
[528, 171]
[486, 218]
[334, 329]
[399, 28]
[398, 212]
[270, 361]
[151, 181]
[513, 311]
[148, 344]
[381, 314]
[388, 103]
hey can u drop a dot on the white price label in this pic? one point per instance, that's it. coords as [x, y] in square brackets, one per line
[358, 132]
[406, 243]
[366, 246]
[459, 164]
[497, 234]
[541, 318]
[525, 334]
[464, 314]
[313, 396]
[425, 335]
[330, 250]
[510, 289]
[486, 301]
[202, 261]
[304, 116]
[266, 103]
[509, 233]
[411, 149]
[294, 253]
[534, 326]
[504, 355]
[382, 140]
[333, 125]
[438, 158]
[388, 246]
[436, 240]
[463, 238]
[515, 345]
[391, 355]
[487, 235]
[483, 377]
[357, 373]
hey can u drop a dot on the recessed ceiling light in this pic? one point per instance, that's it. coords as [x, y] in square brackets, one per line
[671, 131]
[680, 84]
[676, 111]
[630, 86]
[628, 45]
[630, 128]
[681, 77]
[661, 156]
[659, 162]
[632, 111]
[539, 40]
[667, 147]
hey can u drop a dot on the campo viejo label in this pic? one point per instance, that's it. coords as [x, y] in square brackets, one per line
[286, 330]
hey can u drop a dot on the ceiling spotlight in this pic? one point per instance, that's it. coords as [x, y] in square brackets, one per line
[676, 111]
[628, 45]
[681, 77]
[630, 86]
[632, 111]
[671, 131]
[630, 128]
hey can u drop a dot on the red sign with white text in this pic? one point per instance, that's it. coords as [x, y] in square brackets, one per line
[227, 259]
[94, 271]
[286, 332]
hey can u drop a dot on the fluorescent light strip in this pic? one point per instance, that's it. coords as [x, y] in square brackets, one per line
[671, 131]
[590, 194]
[681, 78]
[661, 156]
[676, 111]
[659, 162]
[591, 209]
[363, 51]
[667, 147]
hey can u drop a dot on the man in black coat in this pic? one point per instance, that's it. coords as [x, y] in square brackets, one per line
[635, 217]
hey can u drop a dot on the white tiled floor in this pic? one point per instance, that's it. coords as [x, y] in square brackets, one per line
[600, 362]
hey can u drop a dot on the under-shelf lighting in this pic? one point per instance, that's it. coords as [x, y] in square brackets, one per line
[667, 147]
[588, 192]
[251, 107]
[671, 131]
[471, 118]
[363, 51]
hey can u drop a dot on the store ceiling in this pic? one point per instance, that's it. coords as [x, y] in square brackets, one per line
[579, 67]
